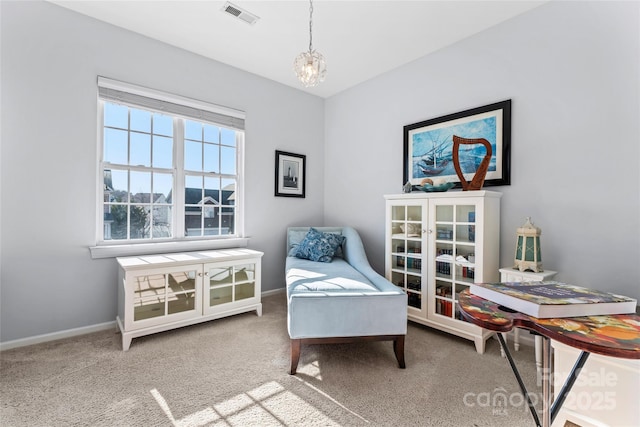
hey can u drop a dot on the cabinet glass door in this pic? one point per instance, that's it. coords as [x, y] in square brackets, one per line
[220, 285]
[159, 295]
[231, 283]
[454, 255]
[407, 251]
[245, 281]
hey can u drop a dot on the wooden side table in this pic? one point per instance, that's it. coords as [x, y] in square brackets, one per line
[590, 334]
[510, 274]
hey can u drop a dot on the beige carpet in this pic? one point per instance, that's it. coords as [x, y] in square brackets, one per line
[233, 372]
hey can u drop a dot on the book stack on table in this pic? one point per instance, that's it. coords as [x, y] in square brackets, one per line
[552, 299]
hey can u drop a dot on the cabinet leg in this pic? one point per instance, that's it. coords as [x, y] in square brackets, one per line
[516, 339]
[295, 356]
[126, 342]
[479, 342]
[504, 337]
[259, 310]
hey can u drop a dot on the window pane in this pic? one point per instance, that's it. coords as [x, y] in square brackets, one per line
[140, 149]
[162, 125]
[228, 192]
[212, 134]
[115, 146]
[211, 221]
[139, 221]
[211, 158]
[161, 221]
[228, 160]
[193, 189]
[116, 116]
[212, 189]
[162, 187]
[120, 181]
[227, 219]
[228, 137]
[140, 120]
[193, 130]
[162, 152]
[193, 156]
[140, 187]
[193, 221]
[116, 222]
[209, 212]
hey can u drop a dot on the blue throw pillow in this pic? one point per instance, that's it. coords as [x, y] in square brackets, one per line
[319, 246]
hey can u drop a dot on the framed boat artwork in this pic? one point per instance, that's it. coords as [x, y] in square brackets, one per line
[429, 147]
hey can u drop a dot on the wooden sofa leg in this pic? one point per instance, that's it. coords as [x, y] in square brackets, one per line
[398, 349]
[295, 356]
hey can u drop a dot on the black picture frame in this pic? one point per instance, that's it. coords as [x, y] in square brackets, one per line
[421, 160]
[290, 178]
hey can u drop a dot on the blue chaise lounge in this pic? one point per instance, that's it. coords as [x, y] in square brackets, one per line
[340, 301]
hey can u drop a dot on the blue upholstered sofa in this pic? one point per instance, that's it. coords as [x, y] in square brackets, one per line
[343, 300]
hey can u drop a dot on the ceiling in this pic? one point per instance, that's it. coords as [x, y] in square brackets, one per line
[359, 39]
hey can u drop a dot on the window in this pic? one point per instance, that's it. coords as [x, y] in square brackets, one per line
[170, 167]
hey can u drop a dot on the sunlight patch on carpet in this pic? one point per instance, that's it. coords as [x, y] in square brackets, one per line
[199, 418]
[268, 404]
[311, 369]
[317, 390]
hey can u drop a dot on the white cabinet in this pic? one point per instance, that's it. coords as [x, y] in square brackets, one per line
[604, 394]
[437, 244]
[509, 274]
[161, 292]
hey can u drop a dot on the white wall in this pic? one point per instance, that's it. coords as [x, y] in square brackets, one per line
[50, 60]
[572, 70]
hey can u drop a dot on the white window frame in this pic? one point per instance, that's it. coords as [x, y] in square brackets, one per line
[183, 108]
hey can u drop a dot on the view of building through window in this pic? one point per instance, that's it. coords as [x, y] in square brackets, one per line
[166, 176]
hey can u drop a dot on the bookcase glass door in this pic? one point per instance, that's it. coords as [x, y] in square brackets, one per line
[407, 228]
[455, 229]
[163, 294]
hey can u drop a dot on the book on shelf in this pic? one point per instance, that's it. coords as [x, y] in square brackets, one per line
[444, 306]
[551, 299]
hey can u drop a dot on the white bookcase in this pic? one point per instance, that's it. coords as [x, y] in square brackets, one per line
[161, 292]
[437, 244]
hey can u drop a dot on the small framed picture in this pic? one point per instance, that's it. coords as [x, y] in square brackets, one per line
[290, 174]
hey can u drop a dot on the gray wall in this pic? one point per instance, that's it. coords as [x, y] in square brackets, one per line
[572, 71]
[50, 60]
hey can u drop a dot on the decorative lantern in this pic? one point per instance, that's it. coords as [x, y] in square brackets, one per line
[528, 256]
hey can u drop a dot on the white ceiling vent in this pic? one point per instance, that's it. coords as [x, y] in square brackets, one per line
[240, 13]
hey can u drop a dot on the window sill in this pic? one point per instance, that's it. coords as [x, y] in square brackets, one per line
[112, 251]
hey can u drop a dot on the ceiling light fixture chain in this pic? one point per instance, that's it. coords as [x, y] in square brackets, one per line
[310, 25]
[310, 67]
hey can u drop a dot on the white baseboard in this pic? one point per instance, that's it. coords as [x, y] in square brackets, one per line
[37, 339]
[273, 292]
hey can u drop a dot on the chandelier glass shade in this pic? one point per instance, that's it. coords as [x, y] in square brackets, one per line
[310, 67]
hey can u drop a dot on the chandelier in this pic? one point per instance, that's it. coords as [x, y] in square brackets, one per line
[310, 66]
